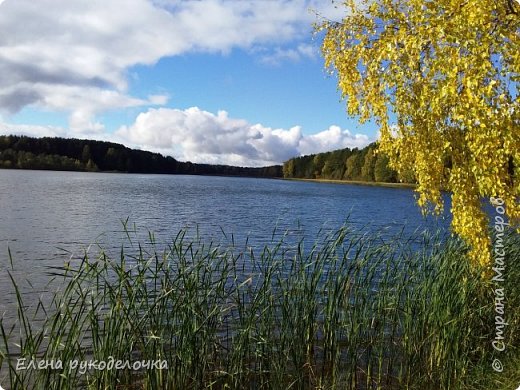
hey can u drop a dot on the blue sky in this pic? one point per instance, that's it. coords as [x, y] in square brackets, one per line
[215, 81]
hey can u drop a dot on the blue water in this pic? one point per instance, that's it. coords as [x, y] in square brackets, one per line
[49, 217]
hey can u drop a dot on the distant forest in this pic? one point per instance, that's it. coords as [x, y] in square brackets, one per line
[345, 164]
[65, 154]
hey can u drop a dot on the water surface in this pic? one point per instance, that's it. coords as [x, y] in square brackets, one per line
[48, 217]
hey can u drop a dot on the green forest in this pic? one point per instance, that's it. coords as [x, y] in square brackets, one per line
[346, 164]
[68, 154]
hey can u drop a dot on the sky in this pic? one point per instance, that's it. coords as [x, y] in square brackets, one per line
[209, 81]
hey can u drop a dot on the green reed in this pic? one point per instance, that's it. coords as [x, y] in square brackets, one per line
[350, 312]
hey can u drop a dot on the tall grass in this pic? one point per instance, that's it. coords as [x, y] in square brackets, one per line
[352, 312]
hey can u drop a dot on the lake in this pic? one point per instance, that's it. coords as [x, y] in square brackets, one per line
[49, 217]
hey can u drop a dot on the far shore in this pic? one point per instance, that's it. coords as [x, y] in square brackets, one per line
[358, 182]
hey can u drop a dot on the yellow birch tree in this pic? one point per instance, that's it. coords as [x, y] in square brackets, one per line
[448, 72]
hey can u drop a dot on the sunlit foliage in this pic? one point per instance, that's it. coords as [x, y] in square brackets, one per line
[441, 80]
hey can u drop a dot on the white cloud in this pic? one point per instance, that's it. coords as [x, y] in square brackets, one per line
[200, 136]
[54, 131]
[82, 103]
[32, 130]
[332, 138]
[279, 54]
[75, 57]
[204, 137]
[333, 10]
[58, 54]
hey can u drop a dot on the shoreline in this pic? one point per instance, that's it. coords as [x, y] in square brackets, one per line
[356, 182]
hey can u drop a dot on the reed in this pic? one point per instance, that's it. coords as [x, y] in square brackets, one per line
[349, 312]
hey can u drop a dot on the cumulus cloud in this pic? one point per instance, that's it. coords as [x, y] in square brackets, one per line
[75, 57]
[58, 54]
[332, 138]
[201, 136]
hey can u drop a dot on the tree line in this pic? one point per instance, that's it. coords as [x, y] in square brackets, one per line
[346, 164]
[69, 154]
